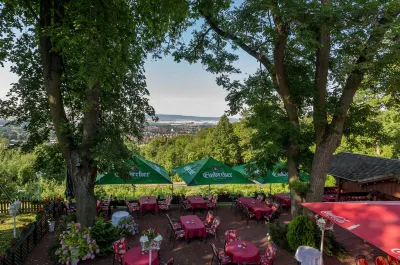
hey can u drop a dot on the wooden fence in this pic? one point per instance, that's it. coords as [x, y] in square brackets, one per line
[27, 206]
[30, 239]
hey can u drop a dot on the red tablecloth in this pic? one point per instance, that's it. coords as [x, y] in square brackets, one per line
[134, 256]
[197, 202]
[329, 197]
[258, 208]
[285, 199]
[148, 203]
[239, 255]
[192, 229]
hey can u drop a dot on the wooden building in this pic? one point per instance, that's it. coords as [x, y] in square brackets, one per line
[363, 173]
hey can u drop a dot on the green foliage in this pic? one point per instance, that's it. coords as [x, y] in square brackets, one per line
[278, 232]
[223, 143]
[301, 232]
[104, 233]
[49, 162]
[300, 187]
[330, 181]
[331, 246]
[127, 226]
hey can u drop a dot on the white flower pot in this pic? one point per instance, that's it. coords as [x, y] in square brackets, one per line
[52, 224]
[74, 262]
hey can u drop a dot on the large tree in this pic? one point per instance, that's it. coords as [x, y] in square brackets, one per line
[313, 56]
[80, 67]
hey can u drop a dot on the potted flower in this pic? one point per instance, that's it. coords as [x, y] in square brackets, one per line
[52, 224]
[150, 237]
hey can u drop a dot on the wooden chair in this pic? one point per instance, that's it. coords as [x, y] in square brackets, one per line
[392, 261]
[273, 216]
[248, 214]
[220, 256]
[177, 234]
[360, 260]
[269, 255]
[175, 226]
[165, 206]
[133, 207]
[213, 204]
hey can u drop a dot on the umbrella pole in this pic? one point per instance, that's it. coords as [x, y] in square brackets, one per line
[322, 246]
[209, 191]
[270, 187]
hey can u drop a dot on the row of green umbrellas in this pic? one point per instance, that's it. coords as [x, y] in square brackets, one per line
[207, 171]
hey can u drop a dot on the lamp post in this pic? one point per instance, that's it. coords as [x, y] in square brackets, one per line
[39, 175]
[150, 245]
[323, 224]
[13, 210]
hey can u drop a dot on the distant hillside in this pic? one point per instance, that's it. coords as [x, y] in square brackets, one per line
[2, 122]
[186, 119]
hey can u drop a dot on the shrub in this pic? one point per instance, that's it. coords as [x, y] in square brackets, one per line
[104, 233]
[331, 246]
[76, 245]
[127, 226]
[301, 232]
[277, 232]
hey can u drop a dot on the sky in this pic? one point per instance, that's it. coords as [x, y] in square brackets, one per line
[175, 88]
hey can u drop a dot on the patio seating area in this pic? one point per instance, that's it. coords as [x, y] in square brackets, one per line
[229, 227]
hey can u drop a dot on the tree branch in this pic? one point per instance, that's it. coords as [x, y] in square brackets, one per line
[357, 75]
[321, 78]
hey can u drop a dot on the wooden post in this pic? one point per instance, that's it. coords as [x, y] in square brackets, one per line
[339, 187]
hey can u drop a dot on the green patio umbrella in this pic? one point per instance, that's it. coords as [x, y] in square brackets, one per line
[272, 176]
[141, 171]
[209, 171]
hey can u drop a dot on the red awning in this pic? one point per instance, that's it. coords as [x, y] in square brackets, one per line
[377, 222]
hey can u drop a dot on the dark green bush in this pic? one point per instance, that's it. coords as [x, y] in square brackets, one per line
[301, 232]
[104, 233]
[331, 246]
[277, 232]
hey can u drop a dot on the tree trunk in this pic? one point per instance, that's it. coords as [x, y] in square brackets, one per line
[83, 178]
[320, 166]
[293, 175]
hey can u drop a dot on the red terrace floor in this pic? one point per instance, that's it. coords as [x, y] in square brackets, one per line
[198, 253]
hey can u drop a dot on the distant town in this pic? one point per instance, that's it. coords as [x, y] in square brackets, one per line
[166, 126]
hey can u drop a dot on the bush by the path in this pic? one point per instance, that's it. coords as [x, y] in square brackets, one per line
[301, 233]
[104, 233]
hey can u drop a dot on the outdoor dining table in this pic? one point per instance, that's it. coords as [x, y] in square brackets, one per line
[197, 202]
[117, 216]
[284, 198]
[193, 226]
[148, 203]
[240, 254]
[329, 197]
[134, 256]
[257, 207]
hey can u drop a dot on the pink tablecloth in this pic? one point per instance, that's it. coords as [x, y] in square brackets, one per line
[197, 202]
[329, 197]
[148, 203]
[134, 256]
[239, 255]
[283, 198]
[192, 229]
[258, 208]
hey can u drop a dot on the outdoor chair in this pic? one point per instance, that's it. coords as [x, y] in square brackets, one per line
[185, 205]
[68, 208]
[276, 206]
[361, 260]
[213, 230]
[392, 261]
[220, 256]
[268, 202]
[169, 262]
[209, 218]
[260, 197]
[169, 199]
[273, 216]
[380, 260]
[175, 226]
[248, 214]
[269, 255]
[234, 203]
[230, 236]
[166, 206]
[213, 204]
[133, 207]
[120, 247]
[98, 205]
[177, 234]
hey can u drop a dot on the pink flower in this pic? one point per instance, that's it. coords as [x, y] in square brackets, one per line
[92, 256]
[97, 251]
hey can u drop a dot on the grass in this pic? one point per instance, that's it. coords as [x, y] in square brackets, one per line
[7, 229]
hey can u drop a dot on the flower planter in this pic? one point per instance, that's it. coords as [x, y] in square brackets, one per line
[52, 224]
